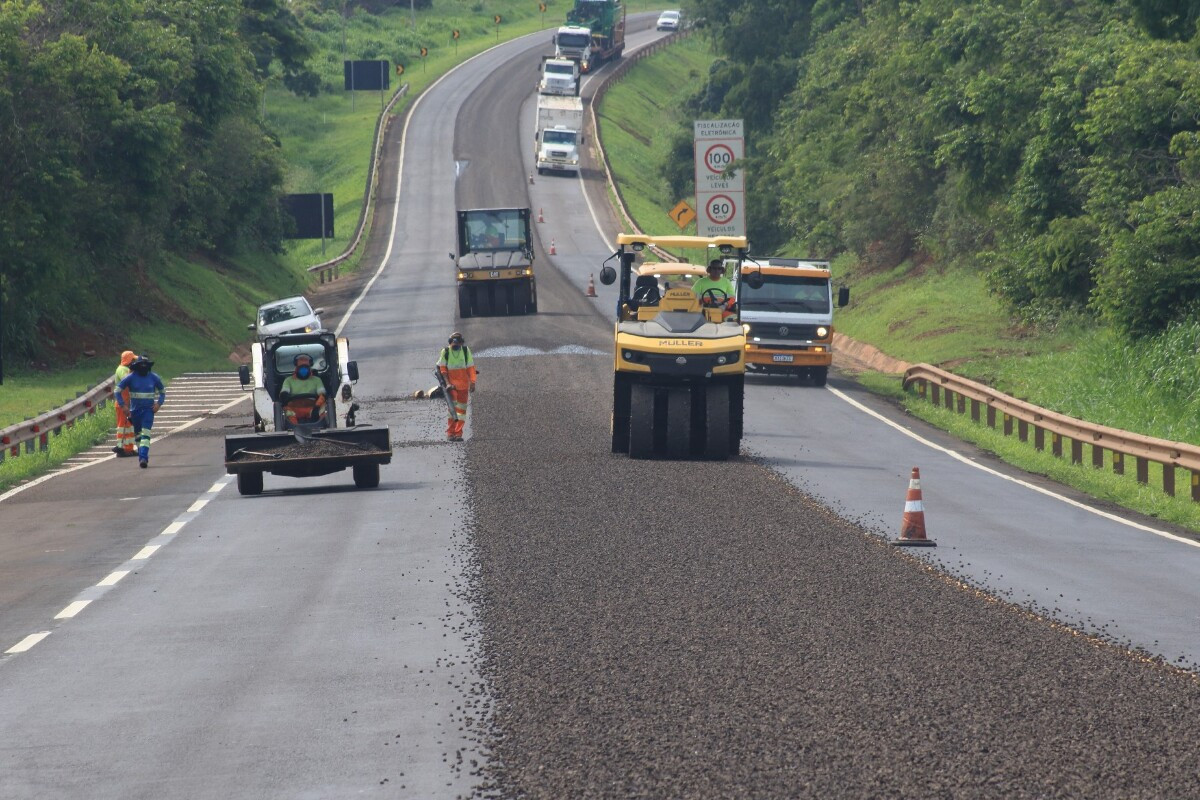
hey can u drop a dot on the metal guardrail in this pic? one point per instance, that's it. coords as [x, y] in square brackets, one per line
[955, 393]
[35, 433]
[618, 73]
[329, 270]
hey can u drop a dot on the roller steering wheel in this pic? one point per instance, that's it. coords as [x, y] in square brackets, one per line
[710, 298]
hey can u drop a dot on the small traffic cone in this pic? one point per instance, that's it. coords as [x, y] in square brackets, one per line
[553, 252]
[912, 526]
[531, 177]
[591, 292]
[541, 218]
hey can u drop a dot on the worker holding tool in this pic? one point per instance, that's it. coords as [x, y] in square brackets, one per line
[457, 370]
[124, 447]
[303, 393]
[146, 396]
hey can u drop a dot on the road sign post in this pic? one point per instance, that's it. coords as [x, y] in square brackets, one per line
[720, 186]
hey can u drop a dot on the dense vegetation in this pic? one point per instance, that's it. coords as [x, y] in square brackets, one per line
[129, 131]
[1054, 146]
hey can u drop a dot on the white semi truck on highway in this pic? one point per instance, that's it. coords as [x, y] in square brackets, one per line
[558, 133]
[559, 76]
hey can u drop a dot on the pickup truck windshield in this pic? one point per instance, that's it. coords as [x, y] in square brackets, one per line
[786, 293]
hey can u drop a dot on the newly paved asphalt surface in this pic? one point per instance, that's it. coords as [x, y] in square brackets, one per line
[527, 615]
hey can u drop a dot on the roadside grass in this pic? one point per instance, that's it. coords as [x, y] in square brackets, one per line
[921, 313]
[636, 120]
[86, 432]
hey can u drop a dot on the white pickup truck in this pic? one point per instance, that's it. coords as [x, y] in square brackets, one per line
[558, 133]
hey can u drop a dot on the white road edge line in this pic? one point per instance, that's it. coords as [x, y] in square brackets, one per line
[1055, 495]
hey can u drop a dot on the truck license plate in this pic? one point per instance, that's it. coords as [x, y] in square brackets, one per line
[778, 357]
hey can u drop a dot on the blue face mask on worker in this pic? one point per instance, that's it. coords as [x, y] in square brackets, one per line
[303, 372]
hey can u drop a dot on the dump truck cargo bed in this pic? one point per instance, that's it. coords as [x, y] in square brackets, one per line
[362, 448]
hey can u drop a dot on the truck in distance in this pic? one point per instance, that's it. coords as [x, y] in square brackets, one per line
[594, 33]
[559, 76]
[789, 313]
[558, 133]
[494, 263]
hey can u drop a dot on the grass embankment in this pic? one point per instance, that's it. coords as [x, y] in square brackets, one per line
[921, 313]
[196, 312]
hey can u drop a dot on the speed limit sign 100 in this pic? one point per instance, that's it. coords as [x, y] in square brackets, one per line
[717, 157]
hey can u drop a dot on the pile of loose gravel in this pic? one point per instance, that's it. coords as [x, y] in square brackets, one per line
[690, 629]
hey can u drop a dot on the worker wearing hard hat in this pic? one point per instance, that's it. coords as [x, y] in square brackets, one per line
[303, 393]
[125, 446]
[146, 396]
[458, 367]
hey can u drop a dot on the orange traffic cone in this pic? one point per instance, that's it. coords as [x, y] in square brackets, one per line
[541, 218]
[591, 292]
[912, 527]
[553, 252]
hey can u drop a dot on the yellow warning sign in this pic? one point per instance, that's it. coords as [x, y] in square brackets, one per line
[682, 214]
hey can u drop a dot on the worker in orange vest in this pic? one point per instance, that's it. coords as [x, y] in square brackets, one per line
[458, 368]
[125, 446]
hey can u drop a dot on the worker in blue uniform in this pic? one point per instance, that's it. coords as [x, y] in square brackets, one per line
[146, 396]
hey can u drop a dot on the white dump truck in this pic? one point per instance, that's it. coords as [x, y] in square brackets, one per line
[559, 76]
[558, 133]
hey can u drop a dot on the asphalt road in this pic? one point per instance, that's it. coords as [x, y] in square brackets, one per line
[527, 615]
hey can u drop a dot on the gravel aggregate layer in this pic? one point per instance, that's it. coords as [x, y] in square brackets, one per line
[703, 630]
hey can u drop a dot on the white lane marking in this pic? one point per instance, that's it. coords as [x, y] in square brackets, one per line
[72, 609]
[196, 506]
[146, 552]
[113, 578]
[218, 486]
[1040, 490]
[412, 112]
[28, 642]
[174, 527]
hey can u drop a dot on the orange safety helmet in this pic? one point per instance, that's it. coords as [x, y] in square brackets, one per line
[127, 358]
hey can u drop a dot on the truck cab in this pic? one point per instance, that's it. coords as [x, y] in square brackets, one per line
[558, 149]
[559, 76]
[273, 360]
[574, 42]
[788, 310]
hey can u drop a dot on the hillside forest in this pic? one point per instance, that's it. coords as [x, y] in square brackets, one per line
[1054, 146]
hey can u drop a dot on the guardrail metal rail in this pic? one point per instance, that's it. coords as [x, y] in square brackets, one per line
[946, 389]
[34, 434]
[330, 270]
